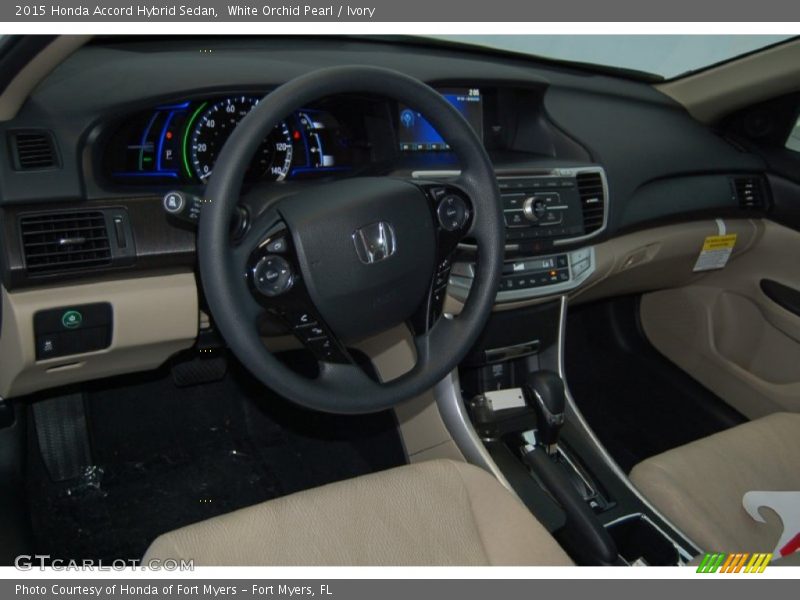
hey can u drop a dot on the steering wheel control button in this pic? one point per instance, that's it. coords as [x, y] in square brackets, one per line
[452, 212]
[277, 246]
[71, 319]
[310, 333]
[272, 275]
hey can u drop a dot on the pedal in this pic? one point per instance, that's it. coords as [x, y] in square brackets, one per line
[63, 436]
[208, 364]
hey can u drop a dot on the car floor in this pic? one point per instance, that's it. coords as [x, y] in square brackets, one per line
[165, 457]
[638, 403]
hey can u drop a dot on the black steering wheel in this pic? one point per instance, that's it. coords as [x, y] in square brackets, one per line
[341, 261]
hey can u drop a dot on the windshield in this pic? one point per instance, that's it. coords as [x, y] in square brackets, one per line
[665, 56]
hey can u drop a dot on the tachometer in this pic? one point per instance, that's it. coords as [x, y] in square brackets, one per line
[211, 125]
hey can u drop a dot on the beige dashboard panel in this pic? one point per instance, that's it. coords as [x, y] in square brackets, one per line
[154, 317]
[645, 260]
[727, 334]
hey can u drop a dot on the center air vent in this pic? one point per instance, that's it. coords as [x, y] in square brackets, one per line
[33, 150]
[64, 241]
[590, 189]
[750, 192]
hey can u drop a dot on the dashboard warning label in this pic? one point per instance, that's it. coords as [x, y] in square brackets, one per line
[717, 249]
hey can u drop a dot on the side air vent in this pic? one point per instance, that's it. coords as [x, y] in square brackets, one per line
[64, 241]
[590, 188]
[750, 192]
[33, 150]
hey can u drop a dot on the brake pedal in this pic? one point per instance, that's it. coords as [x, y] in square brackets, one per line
[63, 436]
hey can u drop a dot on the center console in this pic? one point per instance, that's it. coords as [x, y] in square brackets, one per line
[509, 409]
[508, 406]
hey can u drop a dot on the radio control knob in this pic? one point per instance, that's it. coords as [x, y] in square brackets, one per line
[534, 208]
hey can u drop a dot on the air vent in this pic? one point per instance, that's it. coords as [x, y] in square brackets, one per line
[65, 241]
[590, 188]
[750, 192]
[33, 150]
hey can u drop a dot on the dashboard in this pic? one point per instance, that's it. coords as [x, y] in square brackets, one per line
[586, 163]
[122, 137]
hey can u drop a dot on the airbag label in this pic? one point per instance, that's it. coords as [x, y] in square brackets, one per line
[717, 249]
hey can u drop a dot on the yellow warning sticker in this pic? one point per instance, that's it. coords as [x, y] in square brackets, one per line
[717, 249]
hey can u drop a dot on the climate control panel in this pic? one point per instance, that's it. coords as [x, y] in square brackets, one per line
[525, 278]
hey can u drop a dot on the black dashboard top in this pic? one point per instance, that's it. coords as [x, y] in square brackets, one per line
[659, 162]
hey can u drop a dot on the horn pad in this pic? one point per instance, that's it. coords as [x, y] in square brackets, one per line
[366, 249]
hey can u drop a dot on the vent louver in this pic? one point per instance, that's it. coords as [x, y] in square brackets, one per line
[590, 189]
[64, 241]
[33, 150]
[750, 192]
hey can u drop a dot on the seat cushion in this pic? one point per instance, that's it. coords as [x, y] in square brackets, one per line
[700, 486]
[432, 513]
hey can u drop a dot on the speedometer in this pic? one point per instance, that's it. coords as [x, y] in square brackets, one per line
[212, 124]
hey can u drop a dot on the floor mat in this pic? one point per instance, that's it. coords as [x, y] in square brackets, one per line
[165, 457]
[638, 403]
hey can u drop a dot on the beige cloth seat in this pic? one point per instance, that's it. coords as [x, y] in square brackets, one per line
[433, 513]
[700, 486]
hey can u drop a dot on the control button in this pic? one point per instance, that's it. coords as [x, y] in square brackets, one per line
[452, 212]
[579, 255]
[438, 192]
[48, 346]
[580, 266]
[563, 274]
[174, 202]
[561, 261]
[277, 246]
[513, 201]
[325, 349]
[272, 275]
[71, 319]
[515, 218]
[310, 332]
[298, 318]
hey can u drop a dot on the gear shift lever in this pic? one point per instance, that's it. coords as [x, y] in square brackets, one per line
[544, 393]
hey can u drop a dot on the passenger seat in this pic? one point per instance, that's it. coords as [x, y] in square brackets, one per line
[700, 486]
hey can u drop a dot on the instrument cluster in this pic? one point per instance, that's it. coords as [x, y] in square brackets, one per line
[179, 143]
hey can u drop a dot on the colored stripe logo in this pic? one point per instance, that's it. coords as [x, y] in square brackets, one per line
[738, 562]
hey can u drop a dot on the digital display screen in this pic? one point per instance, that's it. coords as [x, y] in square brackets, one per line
[417, 135]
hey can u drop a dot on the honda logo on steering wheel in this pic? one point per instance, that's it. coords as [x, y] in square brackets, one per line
[374, 242]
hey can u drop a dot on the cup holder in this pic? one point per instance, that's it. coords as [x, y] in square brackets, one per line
[639, 542]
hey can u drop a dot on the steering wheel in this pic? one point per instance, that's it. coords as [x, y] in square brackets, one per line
[341, 261]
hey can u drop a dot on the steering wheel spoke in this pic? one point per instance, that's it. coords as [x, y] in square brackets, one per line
[453, 212]
[271, 268]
